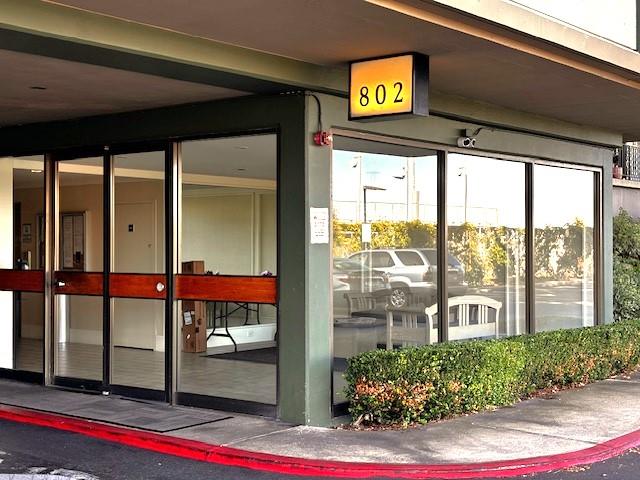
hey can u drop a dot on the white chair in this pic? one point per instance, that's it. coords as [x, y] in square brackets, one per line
[360, 302]
[409, 331]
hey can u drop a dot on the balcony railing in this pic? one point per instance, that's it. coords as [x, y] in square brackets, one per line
[629, 160]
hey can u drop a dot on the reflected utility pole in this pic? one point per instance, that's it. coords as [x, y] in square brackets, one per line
[462, 171]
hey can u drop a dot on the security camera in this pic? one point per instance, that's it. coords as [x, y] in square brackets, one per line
[467, 142]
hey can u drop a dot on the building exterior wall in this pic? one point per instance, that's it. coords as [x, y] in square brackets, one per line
[305, 311]
[626, 195]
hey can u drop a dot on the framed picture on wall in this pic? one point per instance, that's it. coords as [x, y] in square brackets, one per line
[72, 241]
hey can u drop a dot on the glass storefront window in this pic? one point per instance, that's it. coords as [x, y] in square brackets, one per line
[486, 243]
[384, 249]
[564, 220]
[384, 212]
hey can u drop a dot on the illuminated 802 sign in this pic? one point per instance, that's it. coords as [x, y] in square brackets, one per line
[388, 87]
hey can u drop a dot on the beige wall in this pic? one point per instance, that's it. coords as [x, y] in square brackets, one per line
[31, 205]
[233, 232]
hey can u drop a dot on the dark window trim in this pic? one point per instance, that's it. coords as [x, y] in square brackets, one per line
[442, 250]
[529, 251]
[442, 152]
[22, 376]
[226, 404]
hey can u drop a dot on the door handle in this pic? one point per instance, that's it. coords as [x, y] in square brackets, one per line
[60, 283]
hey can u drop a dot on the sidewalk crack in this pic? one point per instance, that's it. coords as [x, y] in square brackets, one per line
[254, 437]
[560, 437]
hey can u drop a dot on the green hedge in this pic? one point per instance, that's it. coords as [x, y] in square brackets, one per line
[626, 266]
[428, 383]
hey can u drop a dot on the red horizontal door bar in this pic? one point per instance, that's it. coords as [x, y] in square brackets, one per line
[78, 283]
[138, 285]
[22, 280]
[226, 288]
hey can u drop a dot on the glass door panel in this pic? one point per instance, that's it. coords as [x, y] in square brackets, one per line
[228, 350]
[78, 277]
[21, 271]
[137, 274]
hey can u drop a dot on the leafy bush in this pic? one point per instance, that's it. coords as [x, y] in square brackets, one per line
[626, 236]
[488, 254]
[626, 267]
[431, 382]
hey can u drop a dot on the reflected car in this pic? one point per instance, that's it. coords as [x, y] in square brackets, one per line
[353, 277]
[360, 278]
[413, 274]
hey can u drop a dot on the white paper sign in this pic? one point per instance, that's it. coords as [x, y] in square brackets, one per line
[366, 233]
[319, 218]
[188, 319]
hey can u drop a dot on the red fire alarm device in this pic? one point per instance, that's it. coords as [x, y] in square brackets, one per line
[322, 138]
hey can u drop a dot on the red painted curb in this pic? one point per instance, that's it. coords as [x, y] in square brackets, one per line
[299, 466]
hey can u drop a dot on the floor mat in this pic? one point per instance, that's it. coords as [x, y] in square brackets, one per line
[151, 416]
[258, 355]
[268, 356]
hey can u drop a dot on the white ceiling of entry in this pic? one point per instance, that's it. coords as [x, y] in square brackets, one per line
[244, 157]
[331, 32]
[77, 90]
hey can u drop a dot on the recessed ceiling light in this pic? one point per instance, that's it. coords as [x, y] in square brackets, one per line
[241, 147]
[36, 171]
[37, 87]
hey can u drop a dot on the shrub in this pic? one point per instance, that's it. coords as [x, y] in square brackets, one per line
[626, 236]
[419, 384]
[626, 267]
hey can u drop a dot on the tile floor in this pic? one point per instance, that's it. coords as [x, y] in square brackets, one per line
[240, 380]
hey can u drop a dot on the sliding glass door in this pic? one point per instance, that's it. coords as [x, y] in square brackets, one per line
[78, 325]
[227, 335]
[137, 279]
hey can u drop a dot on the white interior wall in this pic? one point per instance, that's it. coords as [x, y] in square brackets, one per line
[6, 260]
[233, 232]
[139, 323]
[217, 228]
[32, 307]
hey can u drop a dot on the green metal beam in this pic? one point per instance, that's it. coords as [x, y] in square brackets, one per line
[48, 29]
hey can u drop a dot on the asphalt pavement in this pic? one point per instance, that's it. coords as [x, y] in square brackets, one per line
[29, 452]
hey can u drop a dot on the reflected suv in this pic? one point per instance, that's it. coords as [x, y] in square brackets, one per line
[413, 274]
[357, 277]
[353, 277]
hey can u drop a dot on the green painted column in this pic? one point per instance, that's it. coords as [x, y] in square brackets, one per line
[305, 295]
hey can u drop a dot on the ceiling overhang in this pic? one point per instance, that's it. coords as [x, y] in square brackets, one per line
[290, 46]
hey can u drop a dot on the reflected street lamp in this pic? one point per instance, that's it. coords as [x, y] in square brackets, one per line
[463, 171]
[364, 194]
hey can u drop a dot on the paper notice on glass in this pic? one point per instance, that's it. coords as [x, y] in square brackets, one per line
[319, 218]
[366, 233]
[67, 242]
[188, 319]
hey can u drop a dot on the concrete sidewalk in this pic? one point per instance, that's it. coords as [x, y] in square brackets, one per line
[566, 422]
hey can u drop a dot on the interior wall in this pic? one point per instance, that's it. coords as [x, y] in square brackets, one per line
[269, 234]
[242, 226]
[217, 228]
[233, 232]
[137, 323]
[31, 206]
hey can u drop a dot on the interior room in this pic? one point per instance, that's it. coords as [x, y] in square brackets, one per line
[227, 226]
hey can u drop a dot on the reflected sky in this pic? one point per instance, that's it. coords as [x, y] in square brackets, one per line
[559, 192]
